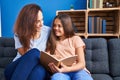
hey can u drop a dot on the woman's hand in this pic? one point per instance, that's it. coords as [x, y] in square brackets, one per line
[55, 69]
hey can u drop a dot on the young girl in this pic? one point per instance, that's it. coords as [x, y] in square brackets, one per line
[63, 43]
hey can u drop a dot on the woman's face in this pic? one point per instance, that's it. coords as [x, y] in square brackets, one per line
[39, 21]
[58, 28]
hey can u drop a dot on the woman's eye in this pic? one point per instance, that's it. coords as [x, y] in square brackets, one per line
[39, 21]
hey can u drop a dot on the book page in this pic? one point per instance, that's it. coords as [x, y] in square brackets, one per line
[69, 61]
[46, 58]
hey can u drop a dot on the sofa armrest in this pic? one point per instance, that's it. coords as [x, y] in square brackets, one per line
[7, 53]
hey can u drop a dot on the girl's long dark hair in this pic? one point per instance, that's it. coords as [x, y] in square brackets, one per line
[68, 30]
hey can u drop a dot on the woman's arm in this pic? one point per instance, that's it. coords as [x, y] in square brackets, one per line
[18, 45]
[21, 51]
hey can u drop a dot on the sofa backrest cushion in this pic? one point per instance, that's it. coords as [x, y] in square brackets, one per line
[96, 55]
[114, 53]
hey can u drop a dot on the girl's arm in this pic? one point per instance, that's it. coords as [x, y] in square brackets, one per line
[78, 66]
[80, 60]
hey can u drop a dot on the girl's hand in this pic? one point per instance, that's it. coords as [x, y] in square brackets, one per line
[64, 68]
[55, 69]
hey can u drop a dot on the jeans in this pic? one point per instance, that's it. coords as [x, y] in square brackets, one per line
[26, 67]
[77, 75]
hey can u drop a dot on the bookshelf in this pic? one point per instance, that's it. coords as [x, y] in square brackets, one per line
[96, 21]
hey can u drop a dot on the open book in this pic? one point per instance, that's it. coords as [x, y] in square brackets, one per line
[46, 58]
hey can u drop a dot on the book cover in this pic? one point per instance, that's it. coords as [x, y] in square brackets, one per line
[97, 3]
[46, 58]
[103, 26]
[90, 3]
[100, 3]
[95, 24]
[94, 3]
[90, 24]
[100, 25]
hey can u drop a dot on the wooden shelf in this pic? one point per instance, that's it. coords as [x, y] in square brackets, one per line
[80, 19]
[104, 9]
[80, 34]
[103, 35]
[70, 11]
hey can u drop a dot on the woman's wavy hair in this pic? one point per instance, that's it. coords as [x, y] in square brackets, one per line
[24, 27]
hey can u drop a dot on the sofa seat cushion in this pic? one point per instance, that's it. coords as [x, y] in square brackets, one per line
[116, 78]
[96, 55]
[2, 74]
[101, 77]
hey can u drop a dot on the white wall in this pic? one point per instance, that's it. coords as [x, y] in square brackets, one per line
[0, 21]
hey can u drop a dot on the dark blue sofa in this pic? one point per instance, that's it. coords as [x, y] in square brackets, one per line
[102, 57]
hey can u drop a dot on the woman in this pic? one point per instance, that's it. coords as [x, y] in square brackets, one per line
[63, 43]
[30, 38]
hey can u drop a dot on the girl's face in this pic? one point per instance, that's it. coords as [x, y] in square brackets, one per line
[39, 22]
[58, 28]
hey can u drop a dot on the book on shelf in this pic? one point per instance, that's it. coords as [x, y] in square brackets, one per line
[95, 4]
[100, 25]
[90, 24]
[90, 3]
[96, 24]
[103, 26]
[46, 58]
[99, 3]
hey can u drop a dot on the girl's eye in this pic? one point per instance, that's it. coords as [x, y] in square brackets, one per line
[59, 26]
